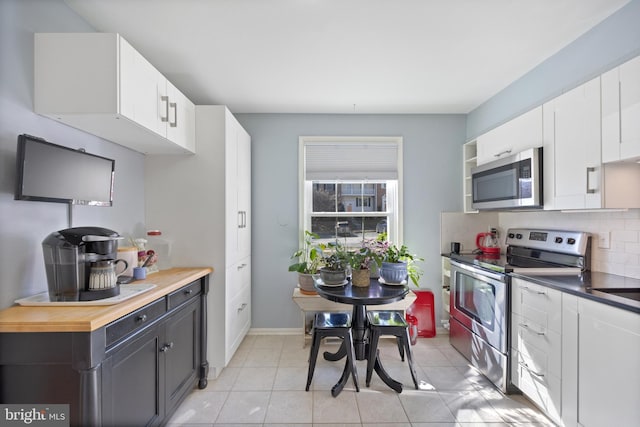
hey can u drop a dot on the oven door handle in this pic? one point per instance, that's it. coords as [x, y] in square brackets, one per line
[479, 274]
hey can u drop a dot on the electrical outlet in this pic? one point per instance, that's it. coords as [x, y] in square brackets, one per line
[604, 240]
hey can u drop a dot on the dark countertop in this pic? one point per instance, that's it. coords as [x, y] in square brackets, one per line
[587, 284]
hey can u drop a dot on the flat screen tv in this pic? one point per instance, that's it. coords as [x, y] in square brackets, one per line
[49, 172]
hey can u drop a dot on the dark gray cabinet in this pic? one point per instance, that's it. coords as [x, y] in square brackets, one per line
[134, 371]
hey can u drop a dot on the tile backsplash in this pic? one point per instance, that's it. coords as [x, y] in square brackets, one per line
[620, 228]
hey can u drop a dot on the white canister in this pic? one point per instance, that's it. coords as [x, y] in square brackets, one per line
[129, 254]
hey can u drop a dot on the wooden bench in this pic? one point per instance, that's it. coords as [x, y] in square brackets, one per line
[315, 303]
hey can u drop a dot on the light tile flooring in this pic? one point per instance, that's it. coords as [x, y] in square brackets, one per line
[264, 385]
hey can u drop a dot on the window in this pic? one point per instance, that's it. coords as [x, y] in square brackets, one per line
[351, 187]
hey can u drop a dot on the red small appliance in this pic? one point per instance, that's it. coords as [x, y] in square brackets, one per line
[488, 243]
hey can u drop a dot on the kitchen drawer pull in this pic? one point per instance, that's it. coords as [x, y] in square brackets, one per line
[165, 99]
[188, 292]
[525, 326]
[533, 291]
[537, 374]
[142, 318]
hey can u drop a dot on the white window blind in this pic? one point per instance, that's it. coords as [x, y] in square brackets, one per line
[351, 160]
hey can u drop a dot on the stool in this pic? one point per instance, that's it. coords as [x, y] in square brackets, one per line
[388, 323]
[333, 325]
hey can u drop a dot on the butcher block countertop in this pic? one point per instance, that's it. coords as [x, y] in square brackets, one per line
[90, 318]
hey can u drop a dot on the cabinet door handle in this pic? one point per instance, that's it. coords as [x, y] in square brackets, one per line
[165, 99]
[239, 219]
[166, 347]
[142, 318]
[590, 190]
[241, 266]
[503, 152]
[242, 307]
[175, 114]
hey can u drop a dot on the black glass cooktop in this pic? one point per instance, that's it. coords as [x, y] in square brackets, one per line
[496, 263]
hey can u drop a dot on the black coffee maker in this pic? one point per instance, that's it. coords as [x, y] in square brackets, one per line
[70, 255]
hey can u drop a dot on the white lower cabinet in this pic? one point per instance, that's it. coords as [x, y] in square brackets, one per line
[575, 358]
[608, 365]
[536, 344]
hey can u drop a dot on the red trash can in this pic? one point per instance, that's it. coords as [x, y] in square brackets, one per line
[423, 310]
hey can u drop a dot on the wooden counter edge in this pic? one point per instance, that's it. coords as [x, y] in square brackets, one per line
[86, 319]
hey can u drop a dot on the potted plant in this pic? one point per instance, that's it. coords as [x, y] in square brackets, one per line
[309, 259]
[377, 248]
[335, 263]
[359, 260]
[398, 265]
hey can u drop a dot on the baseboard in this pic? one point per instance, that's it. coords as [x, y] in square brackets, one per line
[274, 331]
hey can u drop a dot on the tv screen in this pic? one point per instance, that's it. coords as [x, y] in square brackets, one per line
[52, 173]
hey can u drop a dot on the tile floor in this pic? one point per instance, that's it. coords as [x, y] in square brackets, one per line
[264, 385]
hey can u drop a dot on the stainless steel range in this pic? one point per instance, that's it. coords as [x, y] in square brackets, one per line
[480, 292]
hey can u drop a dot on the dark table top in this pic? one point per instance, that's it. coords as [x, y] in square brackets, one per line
[374, 294]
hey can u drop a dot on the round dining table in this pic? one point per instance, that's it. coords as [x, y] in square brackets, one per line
[376, 293]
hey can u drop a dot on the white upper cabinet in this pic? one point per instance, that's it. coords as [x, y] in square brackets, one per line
[99, 83]
[516, 135]
[574, 176]
[621, 112]
[572, 128]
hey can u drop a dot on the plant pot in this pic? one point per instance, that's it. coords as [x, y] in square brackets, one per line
[393, 272]
[333, 277]
[374, 270]
[360, 277]
[306, 284]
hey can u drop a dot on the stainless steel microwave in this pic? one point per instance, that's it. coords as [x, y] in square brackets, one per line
[509, 183]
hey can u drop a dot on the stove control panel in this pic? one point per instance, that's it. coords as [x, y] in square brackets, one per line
[563, 241]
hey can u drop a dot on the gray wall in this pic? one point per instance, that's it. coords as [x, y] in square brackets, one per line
[608, 44]
[432, 179]
[23, 224]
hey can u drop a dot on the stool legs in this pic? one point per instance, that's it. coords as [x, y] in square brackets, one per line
[349, 367]
[315, 346]
[400, 347]
[412, 368]
[374, 336]
[326, 325]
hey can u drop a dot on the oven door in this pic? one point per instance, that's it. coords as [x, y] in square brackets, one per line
[479, 302]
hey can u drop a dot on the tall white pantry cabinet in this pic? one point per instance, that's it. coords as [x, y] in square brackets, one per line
[202, 204]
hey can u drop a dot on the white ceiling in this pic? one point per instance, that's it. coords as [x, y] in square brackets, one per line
[345, 56]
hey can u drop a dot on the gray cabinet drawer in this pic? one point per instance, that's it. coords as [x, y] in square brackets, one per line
[134, 321]
[184, 294]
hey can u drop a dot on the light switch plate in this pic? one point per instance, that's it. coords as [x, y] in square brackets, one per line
[604, 240]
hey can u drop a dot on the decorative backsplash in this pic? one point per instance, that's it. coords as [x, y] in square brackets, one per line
[620, 228]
